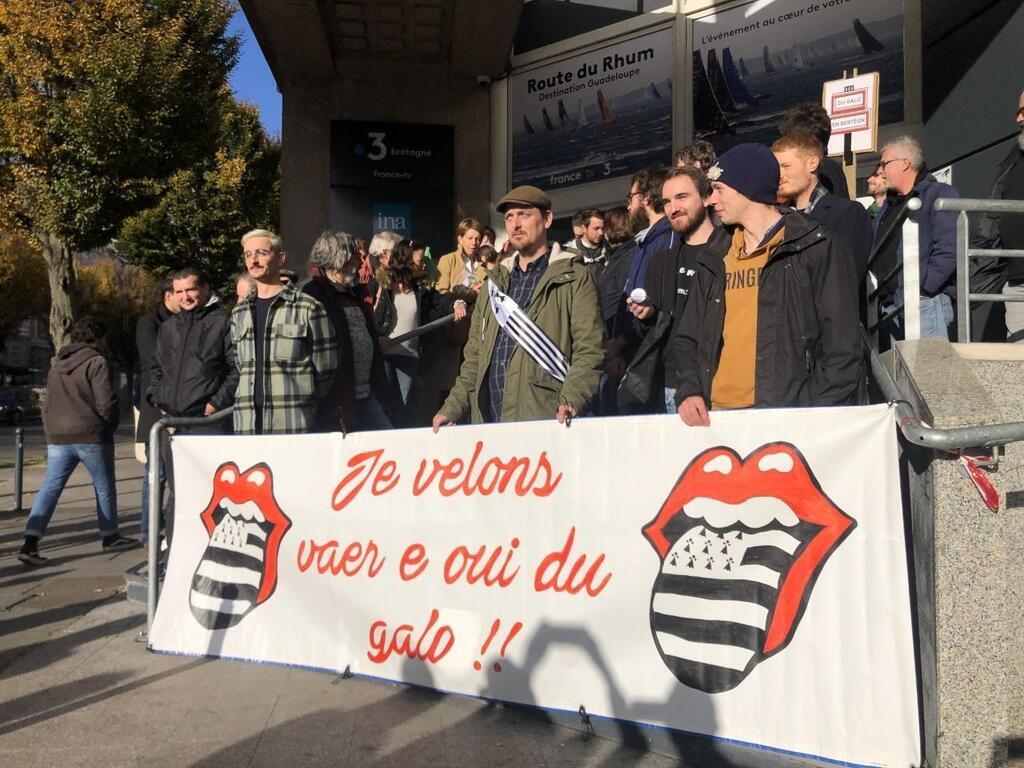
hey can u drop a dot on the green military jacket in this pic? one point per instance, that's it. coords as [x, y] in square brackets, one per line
[300, 361]
[566, 307]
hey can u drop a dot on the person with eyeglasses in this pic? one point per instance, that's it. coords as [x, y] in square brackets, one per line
[285, 346]
[903, 169]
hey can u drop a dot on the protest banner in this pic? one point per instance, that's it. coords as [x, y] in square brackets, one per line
[747, 581]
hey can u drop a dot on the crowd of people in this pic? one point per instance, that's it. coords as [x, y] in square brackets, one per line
[722, 283]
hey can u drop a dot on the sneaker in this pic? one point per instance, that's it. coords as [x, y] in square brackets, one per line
[31, 557]
[116, 541]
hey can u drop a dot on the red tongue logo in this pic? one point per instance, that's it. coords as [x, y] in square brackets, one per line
[741, 543]
[238, 570]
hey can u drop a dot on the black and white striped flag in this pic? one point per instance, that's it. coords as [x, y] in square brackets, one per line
[537, 344]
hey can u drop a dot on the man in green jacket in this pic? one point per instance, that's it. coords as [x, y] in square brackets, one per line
[548, 363]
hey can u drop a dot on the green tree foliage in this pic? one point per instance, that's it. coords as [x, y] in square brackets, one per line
[205, 209]
[24, 293]
[118, 294]
[101, 100]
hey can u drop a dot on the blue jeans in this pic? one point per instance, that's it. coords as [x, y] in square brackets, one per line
[144, 523]
[370, 415]
[61, 462]
[670, 401]
[936, 315]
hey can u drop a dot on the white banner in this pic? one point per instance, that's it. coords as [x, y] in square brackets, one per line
[746, 581]
[600, 114]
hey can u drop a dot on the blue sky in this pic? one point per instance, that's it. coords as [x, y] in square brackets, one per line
[251, 79]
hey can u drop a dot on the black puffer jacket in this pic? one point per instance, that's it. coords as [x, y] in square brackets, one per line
[146, 332]
[81, 405]
[194, 362]
[652, 366]
[809, 350]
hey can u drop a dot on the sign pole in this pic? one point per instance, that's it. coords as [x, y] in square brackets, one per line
[849, 157]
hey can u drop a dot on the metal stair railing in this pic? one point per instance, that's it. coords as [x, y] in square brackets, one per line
[964, 254]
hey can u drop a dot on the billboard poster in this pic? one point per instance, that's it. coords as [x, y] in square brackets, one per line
[753, 62]
[602, 114]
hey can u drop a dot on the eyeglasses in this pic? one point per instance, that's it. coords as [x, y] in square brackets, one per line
[630, 196]
[259, 252]
[881, 165]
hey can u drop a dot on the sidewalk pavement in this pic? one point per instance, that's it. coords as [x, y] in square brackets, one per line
[79, 688]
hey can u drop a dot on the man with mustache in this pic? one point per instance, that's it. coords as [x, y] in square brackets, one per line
[650, 381]
[285, 345]
[774, 323]
[548, 363]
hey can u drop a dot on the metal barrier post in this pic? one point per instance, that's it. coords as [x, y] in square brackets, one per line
[19, 466]
[153, 545]
[153, 551]
[911, 274]
[963, 279]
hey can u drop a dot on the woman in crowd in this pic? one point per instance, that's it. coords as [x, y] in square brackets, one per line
[458, 285]
[358, 398]
[621, 246]
[403, 302]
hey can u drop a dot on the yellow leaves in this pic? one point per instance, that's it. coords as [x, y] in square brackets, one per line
[228, 172]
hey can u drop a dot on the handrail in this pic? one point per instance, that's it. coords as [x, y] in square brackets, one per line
[153, 546]
[946, 440]
[964, 253]
[387, 342]
[899, 223]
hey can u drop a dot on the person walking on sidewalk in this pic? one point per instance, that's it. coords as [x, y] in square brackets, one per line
[80, 416]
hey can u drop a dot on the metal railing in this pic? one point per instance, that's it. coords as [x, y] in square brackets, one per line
[947, 440]
[153, 545]
[878, 287]
[964, 254]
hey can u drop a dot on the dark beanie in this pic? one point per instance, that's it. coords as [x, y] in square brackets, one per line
[750, 169]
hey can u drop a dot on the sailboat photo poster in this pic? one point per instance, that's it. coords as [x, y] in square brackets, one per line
[753, 62]
[597, 115]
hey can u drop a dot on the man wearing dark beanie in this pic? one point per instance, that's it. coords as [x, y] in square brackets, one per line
[774, 324]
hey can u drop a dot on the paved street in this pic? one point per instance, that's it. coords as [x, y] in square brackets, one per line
[77, 688]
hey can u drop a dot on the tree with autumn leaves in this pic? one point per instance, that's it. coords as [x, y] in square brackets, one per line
[106, 108]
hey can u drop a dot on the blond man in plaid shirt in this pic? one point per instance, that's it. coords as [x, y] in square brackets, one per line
[285, 346]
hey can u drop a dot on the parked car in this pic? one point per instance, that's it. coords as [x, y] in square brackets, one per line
[19, 405]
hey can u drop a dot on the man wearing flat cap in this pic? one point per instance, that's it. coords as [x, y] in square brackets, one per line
[536, 342]
[774, 324]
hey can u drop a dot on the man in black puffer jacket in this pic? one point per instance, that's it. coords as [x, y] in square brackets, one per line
[193, 372]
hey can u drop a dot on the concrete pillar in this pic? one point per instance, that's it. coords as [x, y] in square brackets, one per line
[967, 570]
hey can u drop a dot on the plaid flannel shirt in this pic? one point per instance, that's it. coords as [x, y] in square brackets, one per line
[299, 362]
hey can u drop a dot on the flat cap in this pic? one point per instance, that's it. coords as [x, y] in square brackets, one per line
[524, 196]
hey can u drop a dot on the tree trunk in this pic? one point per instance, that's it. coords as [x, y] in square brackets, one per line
[60, 265]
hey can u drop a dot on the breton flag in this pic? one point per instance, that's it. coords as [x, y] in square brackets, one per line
[526, 334]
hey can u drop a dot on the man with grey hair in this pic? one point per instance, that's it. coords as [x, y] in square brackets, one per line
[285, 346]
[358, 393]
[380, 248]
[903, 170]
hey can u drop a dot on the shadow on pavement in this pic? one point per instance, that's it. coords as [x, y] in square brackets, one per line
[49, 616]
[56, 648]
[46, 712]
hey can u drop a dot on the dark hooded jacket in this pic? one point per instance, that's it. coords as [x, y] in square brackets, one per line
[81, 405]
[809, 350]
[146, 332]
[336, 412]
[194, 362]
